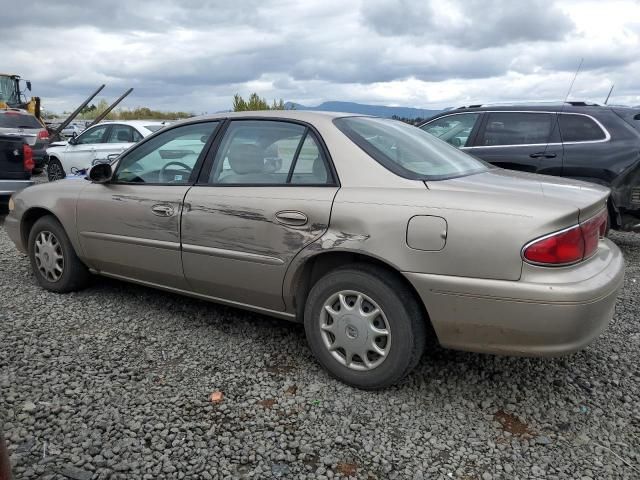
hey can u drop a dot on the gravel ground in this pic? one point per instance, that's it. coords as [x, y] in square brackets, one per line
[115, 382]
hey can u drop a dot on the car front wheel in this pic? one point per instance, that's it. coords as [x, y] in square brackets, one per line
[53, 259]
[364, 326]
[55, 170]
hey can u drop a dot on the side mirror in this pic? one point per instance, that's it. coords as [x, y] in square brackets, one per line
[100, 173]
[28, 82]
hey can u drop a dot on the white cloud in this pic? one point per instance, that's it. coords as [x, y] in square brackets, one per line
[193, 55]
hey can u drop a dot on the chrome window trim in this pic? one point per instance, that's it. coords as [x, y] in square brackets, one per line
[607, 135]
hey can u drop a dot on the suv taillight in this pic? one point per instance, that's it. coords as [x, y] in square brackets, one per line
[568, 246]
[27, 155]
[43, 134]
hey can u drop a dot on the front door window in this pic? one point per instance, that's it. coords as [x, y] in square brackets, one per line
[168, 158]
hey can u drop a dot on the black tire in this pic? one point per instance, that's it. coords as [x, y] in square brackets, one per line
[55, 170]
[75, 275]
[404, 316]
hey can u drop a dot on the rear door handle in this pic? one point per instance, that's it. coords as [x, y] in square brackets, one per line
[162, 210]
[292, 217]
[543, 155]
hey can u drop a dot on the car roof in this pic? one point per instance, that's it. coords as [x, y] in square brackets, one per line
[15, 111]
[301, 115]
[568, 107]
[134, 123]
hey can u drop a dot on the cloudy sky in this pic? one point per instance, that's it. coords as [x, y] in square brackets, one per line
[194, 55]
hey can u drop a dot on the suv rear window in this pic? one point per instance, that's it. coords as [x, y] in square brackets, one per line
[579, 128]
[18, 120]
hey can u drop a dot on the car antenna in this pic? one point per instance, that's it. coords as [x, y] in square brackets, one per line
[572, 82]
[563, 104]
[609, 94]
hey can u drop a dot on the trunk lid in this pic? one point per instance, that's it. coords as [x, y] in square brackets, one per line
[531, 189]
[30, 136]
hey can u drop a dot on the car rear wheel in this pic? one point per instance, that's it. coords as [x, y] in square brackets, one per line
[55, 170]
[364, 326]
[53, 259]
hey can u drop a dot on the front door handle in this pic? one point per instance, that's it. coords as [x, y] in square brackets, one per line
[163, 210]
[543, 155]
[291, 217]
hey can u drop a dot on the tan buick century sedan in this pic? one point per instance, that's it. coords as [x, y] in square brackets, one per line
[373, 233]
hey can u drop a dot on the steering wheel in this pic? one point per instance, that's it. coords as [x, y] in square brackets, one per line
[163, 171]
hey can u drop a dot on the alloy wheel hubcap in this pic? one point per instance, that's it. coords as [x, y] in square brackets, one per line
[49, 257]
[55, 172]
[355, 330]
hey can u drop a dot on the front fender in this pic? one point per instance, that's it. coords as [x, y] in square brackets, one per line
[57, 198]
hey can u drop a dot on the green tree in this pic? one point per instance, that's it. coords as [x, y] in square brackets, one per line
[255, 102]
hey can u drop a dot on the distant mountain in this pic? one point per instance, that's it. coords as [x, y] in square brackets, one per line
[376, 110]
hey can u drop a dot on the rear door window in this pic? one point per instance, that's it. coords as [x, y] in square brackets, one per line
[269, 152]
[121, 134]
[516, 128]
[579, 128]
[453, 129]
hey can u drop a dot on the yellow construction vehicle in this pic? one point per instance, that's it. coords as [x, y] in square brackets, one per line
[12, 95]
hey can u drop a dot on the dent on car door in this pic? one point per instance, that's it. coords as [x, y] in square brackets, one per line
[130, 227]
[526, 141]
[267, 195]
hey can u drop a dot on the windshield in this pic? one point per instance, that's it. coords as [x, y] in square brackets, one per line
[407, 150]
[8, 92]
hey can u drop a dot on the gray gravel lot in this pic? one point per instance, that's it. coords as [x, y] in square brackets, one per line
[114, 382]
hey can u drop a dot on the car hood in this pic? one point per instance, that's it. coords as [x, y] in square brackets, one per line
[58, 144]
[531, 188]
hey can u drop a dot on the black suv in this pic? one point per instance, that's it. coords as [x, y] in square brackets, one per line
[599, 144]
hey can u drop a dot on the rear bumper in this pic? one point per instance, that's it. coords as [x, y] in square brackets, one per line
[8, 187]
[548, 312]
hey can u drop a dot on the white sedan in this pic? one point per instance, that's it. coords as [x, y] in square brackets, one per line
[96, 144]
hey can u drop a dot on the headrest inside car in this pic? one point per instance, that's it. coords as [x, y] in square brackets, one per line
[246, 158]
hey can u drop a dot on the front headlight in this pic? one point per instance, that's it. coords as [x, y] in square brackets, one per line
[11, 204]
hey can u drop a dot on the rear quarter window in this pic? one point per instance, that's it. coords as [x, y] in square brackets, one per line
[579, 128]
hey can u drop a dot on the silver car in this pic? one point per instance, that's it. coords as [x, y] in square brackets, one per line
[373, 233]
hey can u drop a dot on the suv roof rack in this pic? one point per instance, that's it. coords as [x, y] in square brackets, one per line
[573, 103]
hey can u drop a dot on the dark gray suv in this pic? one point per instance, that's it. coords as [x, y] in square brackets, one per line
[20, 123]
[600, 144]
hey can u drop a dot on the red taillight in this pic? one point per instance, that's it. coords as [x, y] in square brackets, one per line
[593, 230]
[560, 248]
[27, 154]
[43, 135]
[568, 246]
